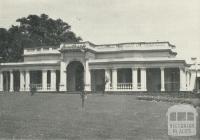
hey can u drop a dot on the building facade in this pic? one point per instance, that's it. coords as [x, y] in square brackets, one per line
[141, 67]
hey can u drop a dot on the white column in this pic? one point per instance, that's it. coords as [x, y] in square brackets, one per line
[134, 79]
[114, 79]
[192, 80]
[87, 77]
[44, 80]
[27, 81]
[22, 81]
[188, 80]
[63, 76]
[182, 80]
[1, 81]
[53, 80]
[162, 72]
[143, 79]
[107, 79]
[11, 81]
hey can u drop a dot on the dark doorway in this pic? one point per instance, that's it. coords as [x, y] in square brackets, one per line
[36, 77]
[153, 79]
[75, 76]
[197, 87]
[172, 79]
[124, 75]
[98, 80]
[16, 76]
[57, 79]
[6, 81]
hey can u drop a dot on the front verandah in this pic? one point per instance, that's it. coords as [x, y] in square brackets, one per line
[137, 79]
[122, 79]
[117, 79]
[24, 80]
[160, 79]
[44, 80]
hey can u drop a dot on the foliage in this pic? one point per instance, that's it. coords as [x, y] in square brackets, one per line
[33, 31]
[11, 44]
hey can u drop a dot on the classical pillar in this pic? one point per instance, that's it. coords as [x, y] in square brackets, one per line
[87, 77]
[53, 80]
[182, 80]
[134, 79]
[63, 77]
[44, 80]
[192, 80]
[1, 81]
[27, 80]
[188, 80]
[11, 81]
[22, 81]
[114, 79]
[107, 79]
[162, 72]
[143, 79]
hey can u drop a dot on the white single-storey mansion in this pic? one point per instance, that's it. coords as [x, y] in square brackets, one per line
[139, 66]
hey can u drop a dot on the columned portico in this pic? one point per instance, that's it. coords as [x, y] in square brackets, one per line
[1, 81]
[11, 82]
[162, 79]
[147, 79]
[117, 79]
[143, 79]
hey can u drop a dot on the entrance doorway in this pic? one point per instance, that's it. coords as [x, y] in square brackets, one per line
[75, 76]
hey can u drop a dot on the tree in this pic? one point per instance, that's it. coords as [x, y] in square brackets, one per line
[42, 30]
[12, 42]
[3, 42]
[33, 31]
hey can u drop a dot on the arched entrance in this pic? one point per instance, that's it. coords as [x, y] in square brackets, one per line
[75, 76]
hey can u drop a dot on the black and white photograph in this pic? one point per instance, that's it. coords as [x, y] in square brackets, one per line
[100, 69]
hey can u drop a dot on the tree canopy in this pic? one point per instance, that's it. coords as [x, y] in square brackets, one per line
[33, 31]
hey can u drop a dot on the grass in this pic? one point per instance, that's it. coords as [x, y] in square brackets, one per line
[60, 116]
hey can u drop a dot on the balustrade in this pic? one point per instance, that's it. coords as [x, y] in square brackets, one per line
[124, 86]
[39, 87]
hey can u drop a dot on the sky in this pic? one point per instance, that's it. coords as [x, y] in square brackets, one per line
[118, 21]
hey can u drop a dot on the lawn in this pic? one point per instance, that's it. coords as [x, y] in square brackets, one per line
[60, 116]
